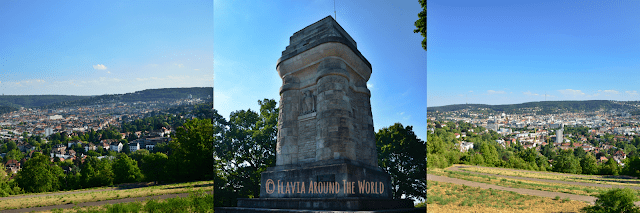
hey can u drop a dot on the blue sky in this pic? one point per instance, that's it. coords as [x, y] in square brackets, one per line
[506, 52]
[249, 37]
[104, 47]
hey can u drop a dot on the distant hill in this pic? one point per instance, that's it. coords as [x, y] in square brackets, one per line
[545, 107]
[5, 109]
[10, 103]
[33, 101]
[165, 94]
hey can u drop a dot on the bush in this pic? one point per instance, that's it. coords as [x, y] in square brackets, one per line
[437, 161]
[615, 200]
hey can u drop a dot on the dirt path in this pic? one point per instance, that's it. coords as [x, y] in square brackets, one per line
[458, 168]
[97, 203]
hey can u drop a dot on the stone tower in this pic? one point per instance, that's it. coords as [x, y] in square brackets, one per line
[326, 154]
[325, 109]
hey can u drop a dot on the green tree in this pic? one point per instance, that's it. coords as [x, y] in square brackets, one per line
[126, 170]
[632, 167]
[250, 145]
[38, 176]
[402, 155]
[154, 166]
[191, 151]
[579, 152]
[436, 149]
[86, 175]
[7, 147]
[610, 168]
[566, 162]
[614, 200]
[14, 154]
[588, 164]
[7, 187]
[490, 154]
[477, 159]
[97, 172]
[421, 23]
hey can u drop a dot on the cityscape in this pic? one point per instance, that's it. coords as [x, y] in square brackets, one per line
[533, 106]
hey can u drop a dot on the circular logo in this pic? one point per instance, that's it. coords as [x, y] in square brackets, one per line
[269, 191]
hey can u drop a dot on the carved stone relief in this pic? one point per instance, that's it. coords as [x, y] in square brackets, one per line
[308, 102]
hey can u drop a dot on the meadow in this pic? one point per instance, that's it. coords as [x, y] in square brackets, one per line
[91, 196]
[448, 197]
[597, 179]
[200, 202]
[517, 183]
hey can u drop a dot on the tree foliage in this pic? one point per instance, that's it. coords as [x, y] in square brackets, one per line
[566, 162]
[402, 155]
[421, 23]
[38, 176]
[588, 164]
[615, 200]
[154, 166]
[190, 156]
[251, 143]
[126, 170]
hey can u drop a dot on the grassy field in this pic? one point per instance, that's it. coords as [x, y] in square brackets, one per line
[196, 202]
[598, 179]
[448, 197]
[517, 183]
[105, 195]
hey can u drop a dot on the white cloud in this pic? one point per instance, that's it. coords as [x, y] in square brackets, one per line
[142, 79]
[99, 67]
[605, 92]
[470, 90]
[530, 93]
[108, 72]
[571, 92]
[196, 69]
[495, 92]
[634, 92]
[179, 65]
[369, 85]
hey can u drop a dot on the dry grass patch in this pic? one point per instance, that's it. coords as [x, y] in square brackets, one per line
[448, 197]
[104, 195]
[599, 179]
[526, 184]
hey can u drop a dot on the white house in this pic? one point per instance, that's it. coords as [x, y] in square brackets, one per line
[149, 145]
[116, 146]
[133, 146]
[464, 146]
[89, 146]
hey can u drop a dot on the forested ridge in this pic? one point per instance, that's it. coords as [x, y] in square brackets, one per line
[9, 103]
[544, 106]
[32, 101]
[165, 94]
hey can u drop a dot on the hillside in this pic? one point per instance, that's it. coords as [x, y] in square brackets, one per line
[10, 103]
[32, 101]
[543, 107]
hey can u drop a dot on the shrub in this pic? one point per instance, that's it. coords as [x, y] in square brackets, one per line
[615, 200]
